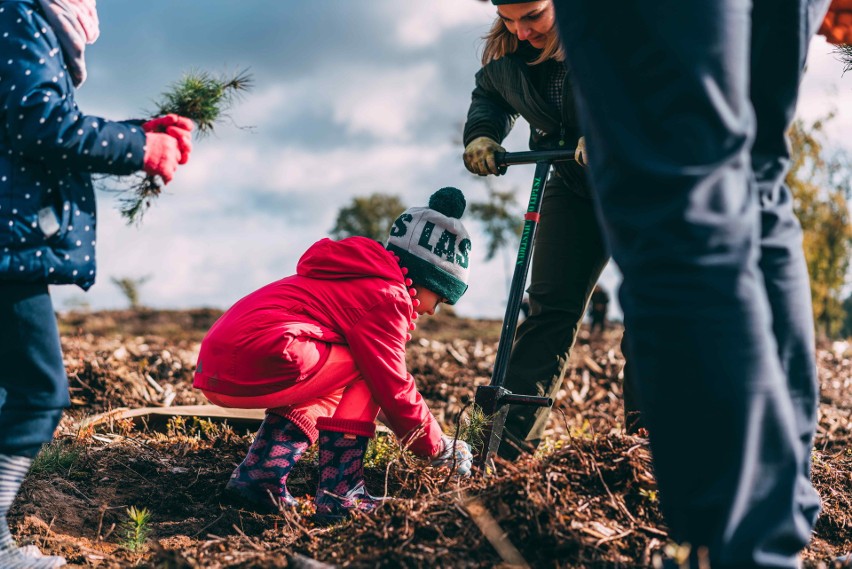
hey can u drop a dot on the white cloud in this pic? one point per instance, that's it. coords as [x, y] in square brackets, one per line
[249, 203]
[824, 90]
[326, 174]
[269, 101]
[421, 24]
[383, 102]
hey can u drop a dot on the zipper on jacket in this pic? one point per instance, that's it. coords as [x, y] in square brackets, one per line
[562, 112]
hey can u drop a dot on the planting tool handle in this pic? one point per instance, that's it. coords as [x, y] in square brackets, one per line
[504, 159]
[494, 399]
[530, 400]
[519, 278]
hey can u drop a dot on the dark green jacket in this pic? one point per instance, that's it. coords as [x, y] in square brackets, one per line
[506, 89]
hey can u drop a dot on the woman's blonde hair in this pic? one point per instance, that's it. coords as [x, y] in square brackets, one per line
[499, 42]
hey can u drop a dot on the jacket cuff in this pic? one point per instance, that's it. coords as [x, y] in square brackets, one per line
[471, 136]
[426, 440]
[348, 426]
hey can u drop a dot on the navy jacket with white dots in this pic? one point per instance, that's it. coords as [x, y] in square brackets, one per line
[49, 150]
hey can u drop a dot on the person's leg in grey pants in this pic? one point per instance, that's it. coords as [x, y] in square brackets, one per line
[776, 70]
[568, 258]
[666, 94]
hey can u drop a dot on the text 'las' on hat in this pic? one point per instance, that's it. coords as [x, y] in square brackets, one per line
[433, 245]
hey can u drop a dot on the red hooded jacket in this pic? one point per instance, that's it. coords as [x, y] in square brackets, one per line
[344, 292]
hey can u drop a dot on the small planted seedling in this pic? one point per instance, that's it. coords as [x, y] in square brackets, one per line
[473, 425]
[136, 528]
[381, 451]
[58, 457]
[199, 96]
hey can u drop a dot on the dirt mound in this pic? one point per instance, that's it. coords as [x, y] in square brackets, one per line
[587, 500]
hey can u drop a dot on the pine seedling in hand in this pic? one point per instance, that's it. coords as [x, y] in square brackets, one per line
[844, 54]
[201, 97]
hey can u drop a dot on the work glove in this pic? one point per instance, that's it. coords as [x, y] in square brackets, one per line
[479, 157]
[580, 154]
[456, 454]
[176, 126]
[162, 155]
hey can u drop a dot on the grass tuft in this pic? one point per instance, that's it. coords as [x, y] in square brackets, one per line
[57, 457]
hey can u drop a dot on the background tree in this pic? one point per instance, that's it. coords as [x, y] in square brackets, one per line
[372, 216]
[820, 179]
[500, 219]
[130, 289]
[369, 216]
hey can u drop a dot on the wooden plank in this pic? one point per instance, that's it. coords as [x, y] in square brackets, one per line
[158, 417]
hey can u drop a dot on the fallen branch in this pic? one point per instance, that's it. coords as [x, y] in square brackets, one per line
[493, 532]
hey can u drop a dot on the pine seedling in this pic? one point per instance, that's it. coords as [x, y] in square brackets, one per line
[381, 451]
[199, 96]
[844, 54]
[204, 98]
[136, 528]
[473, 425]
[57, 457]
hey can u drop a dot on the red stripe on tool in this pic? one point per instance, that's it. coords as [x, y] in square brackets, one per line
[532, 216]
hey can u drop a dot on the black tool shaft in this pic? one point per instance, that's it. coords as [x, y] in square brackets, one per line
[533, 157]
[519, 278]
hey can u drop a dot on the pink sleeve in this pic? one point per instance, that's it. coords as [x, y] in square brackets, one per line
[377, 343]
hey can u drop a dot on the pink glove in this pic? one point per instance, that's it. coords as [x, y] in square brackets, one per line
[176, 126]
[162, 155]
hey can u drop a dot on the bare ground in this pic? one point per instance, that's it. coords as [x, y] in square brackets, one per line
[587, 500]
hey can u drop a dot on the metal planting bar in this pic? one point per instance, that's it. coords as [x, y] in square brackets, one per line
[494, 399]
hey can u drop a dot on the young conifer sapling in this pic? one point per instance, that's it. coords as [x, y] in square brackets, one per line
[199, 96]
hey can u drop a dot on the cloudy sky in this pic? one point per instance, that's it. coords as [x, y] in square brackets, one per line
[350, 98]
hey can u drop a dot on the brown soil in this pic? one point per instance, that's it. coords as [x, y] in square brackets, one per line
[587, 500]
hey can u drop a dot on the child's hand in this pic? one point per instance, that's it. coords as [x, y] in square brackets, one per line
[178, 127]
[162, 156]
[455, 454]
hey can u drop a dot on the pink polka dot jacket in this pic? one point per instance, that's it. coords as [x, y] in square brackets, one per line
[49, 150]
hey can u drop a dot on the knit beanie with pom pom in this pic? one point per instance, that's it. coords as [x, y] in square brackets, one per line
[433, 245]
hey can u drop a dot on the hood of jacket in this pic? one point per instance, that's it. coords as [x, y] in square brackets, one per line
[350, 258]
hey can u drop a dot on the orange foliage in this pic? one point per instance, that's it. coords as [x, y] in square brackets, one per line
[837, 25]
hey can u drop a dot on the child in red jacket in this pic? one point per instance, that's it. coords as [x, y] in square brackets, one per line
[324, 350]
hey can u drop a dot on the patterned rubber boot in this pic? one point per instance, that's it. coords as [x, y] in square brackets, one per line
[13, 470]
[342, 488]
[261, 479]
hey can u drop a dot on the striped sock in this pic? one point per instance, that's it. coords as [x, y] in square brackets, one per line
[13, 470]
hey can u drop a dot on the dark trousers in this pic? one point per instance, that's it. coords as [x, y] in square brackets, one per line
[685, 107]
[33, 385]
[568, 258]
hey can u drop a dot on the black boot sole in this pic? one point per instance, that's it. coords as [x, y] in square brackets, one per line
[249, 501]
